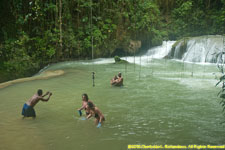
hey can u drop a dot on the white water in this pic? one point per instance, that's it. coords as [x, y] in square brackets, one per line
[157, 52]
[201, 49]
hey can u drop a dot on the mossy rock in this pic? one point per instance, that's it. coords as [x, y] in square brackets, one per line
[119, 61]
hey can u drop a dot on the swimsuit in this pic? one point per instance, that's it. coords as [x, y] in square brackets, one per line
[28, 111]
[96, 116]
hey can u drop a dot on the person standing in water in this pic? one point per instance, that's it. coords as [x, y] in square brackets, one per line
[28, 107]
[94, 111]
[85, 101]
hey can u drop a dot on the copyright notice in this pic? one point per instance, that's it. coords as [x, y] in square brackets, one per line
[198, 147]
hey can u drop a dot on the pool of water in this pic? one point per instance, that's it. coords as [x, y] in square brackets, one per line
[161, 102]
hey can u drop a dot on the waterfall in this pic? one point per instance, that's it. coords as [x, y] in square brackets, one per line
[157, 52]
[160, 51]
[195, 49]
[198, 49]
[201, 49]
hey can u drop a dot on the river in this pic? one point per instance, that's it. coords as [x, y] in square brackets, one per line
[162, 102]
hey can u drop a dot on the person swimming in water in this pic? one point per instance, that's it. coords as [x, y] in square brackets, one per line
[94, 111]
[117, 80]
[28, 107]
[113, 81]
[85, 100]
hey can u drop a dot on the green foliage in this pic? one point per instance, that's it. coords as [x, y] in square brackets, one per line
[194, 18]
[117, 59]
[17, 61]
[220, 65]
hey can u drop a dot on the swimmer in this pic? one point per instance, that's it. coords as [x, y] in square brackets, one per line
[118, 81]
[28, 107]
[113, 81]
[94, 111]
[85, 100]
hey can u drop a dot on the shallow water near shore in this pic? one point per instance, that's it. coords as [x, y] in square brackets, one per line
[161, 102]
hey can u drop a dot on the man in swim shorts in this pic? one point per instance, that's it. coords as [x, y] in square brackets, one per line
[28, 107]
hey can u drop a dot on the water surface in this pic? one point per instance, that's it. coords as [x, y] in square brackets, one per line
[162, 102]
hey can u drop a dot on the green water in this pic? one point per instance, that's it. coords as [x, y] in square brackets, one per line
[161, 103]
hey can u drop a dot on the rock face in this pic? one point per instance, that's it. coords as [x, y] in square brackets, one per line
[134, 46]
[127, 48]
[198, 49]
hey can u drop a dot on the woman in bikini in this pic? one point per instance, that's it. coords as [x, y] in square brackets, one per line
[85, 100]
[94, 111]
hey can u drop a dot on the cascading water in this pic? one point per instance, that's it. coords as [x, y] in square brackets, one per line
[161, 51]
[157, 52]
[198, 49]
[150, 109]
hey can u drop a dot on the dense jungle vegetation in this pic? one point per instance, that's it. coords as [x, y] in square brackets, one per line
[37, 32]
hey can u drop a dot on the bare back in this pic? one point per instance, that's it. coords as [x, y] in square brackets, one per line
[33, 100]
[85, 103]
[119, 81]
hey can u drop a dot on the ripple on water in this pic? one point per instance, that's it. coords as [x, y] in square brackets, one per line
[124, 135]
[138, 127]
[160, 121]
[131, 133]
[116, 134]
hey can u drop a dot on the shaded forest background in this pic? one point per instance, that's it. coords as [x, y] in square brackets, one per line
[35, 33]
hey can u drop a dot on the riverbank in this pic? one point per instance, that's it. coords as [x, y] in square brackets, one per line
[44, 75]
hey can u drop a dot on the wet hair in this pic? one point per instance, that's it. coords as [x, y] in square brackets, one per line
[86, 96]
[119, 74]
[90, 104]
[39, 92]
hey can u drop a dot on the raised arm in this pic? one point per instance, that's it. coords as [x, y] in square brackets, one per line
[45, 94]
[46, 99]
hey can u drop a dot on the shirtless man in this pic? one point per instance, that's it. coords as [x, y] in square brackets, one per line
[94, 111]
[28, 107]
[85, 101]
[117, 80]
